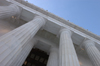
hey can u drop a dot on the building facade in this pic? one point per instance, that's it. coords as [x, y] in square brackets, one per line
[31, 36]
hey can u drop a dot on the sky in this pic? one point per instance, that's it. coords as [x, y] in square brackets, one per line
[84, 13]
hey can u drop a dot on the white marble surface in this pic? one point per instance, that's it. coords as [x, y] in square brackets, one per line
[53, 57]
[53, 26]
[5, 27]
[92, 51]
[22, 55]
[67, 54]
[55, 22]
[8, 11]
[12, 42]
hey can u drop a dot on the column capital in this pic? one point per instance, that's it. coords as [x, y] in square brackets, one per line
[8, 11]
[15, 8]
[88, 43]
[41, 19]
[63, 29]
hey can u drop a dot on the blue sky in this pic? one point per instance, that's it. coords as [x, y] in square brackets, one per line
[84, 13]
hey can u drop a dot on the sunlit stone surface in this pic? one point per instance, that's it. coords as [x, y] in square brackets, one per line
[31, 36]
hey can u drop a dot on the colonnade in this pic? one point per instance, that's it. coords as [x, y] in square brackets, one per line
[16, 45]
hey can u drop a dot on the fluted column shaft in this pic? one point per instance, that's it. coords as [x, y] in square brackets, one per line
[13, 41]
[20, 57]
[67, 54]
[53, 57]
[8, 11]
[92, 52]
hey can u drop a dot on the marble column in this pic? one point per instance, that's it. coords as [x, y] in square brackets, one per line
[12, 42]
[8, 11]
[20, 57]
[92, 52]
[53, 57]
[67, 54]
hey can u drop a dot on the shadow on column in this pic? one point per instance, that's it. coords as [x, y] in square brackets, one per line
[36, 58]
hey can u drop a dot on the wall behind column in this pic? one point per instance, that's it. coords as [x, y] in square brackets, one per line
[5, 27]
[84, 61]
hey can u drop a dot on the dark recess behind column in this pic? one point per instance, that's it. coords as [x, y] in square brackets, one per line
[36, 58]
